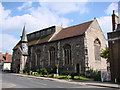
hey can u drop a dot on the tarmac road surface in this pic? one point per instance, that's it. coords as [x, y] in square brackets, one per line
[12, 81]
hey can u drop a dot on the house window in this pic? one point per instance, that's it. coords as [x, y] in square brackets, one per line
[41, 33]
[48, 31]
[97, 46]
[52, 55]
[67, 54]
[37, 34]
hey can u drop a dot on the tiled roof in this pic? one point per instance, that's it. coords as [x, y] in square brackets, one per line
[36, 41]
[45, 39]
[64, 33]
[7, 58]
[72, 31]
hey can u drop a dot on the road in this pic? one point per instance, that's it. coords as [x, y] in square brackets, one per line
[13, 81]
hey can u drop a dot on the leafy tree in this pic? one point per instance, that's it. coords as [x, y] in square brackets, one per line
[105, 54]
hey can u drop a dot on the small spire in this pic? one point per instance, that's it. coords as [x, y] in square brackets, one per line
[24, 37]
[61, 24]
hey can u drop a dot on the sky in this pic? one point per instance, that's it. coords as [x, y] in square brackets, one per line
[38, 15]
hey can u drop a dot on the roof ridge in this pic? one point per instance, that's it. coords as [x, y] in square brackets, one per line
[78, 24]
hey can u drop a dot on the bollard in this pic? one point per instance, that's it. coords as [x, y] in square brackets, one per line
[102, 79]
[68, 76]
[115, 80]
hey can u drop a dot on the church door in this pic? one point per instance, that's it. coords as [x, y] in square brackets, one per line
[77, 68]
[18, 68]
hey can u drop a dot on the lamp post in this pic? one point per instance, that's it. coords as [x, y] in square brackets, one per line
[57, 68]
[58, 57]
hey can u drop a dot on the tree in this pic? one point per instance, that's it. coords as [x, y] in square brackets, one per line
[105, 54]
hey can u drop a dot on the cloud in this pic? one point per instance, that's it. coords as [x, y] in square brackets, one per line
[111, 7]
[66, 7]
[3, 14]
[105, 24]
[38, 18]
[8, 42]
[26, 4]
[106, 21]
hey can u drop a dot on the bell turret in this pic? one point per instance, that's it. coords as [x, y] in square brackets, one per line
[24, 41]
[24, 36]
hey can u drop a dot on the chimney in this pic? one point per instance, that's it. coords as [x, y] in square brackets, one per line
[115, 21]
[118, 26]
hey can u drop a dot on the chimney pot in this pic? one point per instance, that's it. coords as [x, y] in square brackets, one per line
[113, 11]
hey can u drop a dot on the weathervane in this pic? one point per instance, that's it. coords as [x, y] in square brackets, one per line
[24, 23]
[61, 24]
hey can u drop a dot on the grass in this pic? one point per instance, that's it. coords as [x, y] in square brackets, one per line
[80, 78]
[75, 77]
[61, 76]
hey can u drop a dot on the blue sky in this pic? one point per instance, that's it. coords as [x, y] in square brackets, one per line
[38, 15]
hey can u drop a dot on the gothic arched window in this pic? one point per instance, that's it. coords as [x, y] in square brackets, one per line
[97, 46]
[52, 55]
[67, 54]
[38, 57]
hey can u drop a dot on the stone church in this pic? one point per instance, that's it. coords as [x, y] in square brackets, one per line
[75, 49]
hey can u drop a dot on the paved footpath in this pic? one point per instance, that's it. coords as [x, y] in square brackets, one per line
[81, 82]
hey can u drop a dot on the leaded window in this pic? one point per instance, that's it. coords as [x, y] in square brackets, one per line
[97, 46]
[52, 56]
[38, 58]
[67, 54]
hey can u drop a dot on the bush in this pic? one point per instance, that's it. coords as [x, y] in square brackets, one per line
[53, 70]
[43, 71]
[38, 71]
[96, 75]
[73, 74]
[25, 70]
[33, 70]
[65, 73]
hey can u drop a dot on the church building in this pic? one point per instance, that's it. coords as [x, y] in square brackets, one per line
[75, 49]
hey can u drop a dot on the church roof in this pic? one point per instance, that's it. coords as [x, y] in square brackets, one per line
[72, 31]
[68, 32]
[36, 41]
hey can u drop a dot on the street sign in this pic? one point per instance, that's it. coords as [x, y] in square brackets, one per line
[57, 65]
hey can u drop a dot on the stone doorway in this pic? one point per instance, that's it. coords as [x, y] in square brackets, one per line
[78, 68]
[17, 68]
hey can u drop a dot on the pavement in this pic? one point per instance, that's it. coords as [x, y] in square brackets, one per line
[81, 82]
